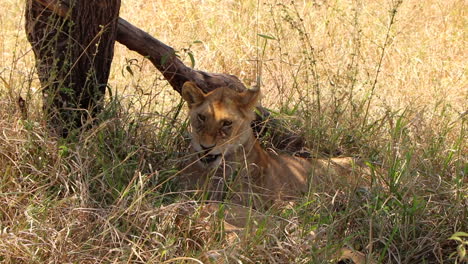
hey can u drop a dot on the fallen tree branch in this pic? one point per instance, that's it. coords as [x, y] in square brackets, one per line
[165, 60]
[161, 55]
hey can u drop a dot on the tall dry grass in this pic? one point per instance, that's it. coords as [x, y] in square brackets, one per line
[381, 80]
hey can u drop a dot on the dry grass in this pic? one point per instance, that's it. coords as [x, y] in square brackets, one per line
[342, 73]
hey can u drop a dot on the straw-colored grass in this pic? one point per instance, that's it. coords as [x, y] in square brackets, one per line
[384, 81]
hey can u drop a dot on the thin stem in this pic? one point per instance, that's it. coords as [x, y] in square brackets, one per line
[379, 65]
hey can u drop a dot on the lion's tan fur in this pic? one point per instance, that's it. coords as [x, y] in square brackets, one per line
[230, 164]
[242, 168]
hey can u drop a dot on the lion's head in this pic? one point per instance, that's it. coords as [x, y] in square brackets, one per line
[220, 121]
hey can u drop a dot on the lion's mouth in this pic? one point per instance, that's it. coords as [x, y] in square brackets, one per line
[209, 158]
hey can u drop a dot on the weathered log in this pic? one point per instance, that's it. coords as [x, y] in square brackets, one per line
[161, 55]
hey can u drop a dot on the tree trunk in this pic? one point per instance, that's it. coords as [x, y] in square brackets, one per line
[73, 58]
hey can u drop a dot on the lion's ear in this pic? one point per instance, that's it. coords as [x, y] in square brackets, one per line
[192, 94]
[248, 99]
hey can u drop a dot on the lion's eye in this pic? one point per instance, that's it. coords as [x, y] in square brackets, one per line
[226, 123]
[226, 127]
[201, 117]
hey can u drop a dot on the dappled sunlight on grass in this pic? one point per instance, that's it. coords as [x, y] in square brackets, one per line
[343, 75]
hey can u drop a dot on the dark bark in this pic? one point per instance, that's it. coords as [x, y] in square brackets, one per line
[73, 57]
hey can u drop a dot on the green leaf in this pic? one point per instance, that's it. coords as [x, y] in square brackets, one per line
[63, 150]
[461, 251]
[458, 235]
[164, 59]
[266, 36]
[129, 69]
[192, 58]
[456, 239]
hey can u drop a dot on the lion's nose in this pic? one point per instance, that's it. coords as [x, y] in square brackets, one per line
[207, 148]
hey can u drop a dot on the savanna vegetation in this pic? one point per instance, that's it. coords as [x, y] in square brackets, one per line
[383, 81]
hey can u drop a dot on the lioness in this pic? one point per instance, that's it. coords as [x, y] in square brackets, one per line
[230, 162]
